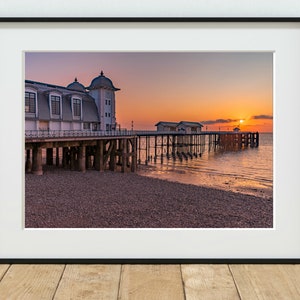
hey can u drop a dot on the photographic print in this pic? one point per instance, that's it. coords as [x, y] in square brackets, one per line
[148, 140]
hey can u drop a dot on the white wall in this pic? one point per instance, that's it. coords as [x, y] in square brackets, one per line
[30, 125]
[55, 125]
[76, 126]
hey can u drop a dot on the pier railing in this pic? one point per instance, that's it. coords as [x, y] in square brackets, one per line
[75, 133]
[124, 132]
[99, 149]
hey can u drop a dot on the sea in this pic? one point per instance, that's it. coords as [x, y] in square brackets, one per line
[247, 171]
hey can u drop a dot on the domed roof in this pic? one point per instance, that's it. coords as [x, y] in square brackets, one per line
[102, 82]
[76, 86]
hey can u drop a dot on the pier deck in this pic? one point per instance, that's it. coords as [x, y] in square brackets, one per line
[81, 150]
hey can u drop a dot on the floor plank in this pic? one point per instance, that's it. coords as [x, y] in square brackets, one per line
[208, 282]
[89, 282]
[293, 273]
[30, 282]
[264, 282]
[159, 282]
[3, 269]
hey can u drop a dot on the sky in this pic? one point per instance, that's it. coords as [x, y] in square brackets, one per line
[221, 90]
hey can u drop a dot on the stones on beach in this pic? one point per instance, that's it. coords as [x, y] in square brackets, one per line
[65, 199]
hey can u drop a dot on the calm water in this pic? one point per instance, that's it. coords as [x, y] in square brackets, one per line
[247, 171]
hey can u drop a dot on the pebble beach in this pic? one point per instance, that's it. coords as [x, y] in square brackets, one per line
[69, 199]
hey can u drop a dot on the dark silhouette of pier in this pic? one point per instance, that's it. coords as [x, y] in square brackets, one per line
[123, 150]
[154, 146]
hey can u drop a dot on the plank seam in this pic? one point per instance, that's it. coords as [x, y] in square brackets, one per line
[59, 281]
[5, 272]
[183, 283]
[235, 284]
[119, 285]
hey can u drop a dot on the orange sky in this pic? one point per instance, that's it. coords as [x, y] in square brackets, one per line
[216, 89]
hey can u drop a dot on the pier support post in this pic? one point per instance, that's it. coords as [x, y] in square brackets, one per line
[124, 156]
[112, 157]
[72, 159]
[99, 156]
[37, 168]
[57, 157]
[134, 155]
[139, 159]
[65, 157]
[155, 148]
[81, 159]
[162, 149]
[49, 157]
[28, 164]
[257, 139]
[252, 140]
[168, 146]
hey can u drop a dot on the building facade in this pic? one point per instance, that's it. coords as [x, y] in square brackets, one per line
[74, 107]
[183, 126]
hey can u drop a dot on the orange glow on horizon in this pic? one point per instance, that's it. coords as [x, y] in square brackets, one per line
[174, 86]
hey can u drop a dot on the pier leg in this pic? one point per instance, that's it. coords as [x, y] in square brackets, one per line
[37, 168]
[139, 142]
[257, 139]
[88, 162]
[168, 146]
[252, 140]
[65, 157]
[28, 164]
[112, 159]
[72, 159]
[57, 157]
[147, 149]
[124, 156]
[134, 155]
[81, 159]
[155, 148]
[99, 156]
[162, 149]
[49, 156]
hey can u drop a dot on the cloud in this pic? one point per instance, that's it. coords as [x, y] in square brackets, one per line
[262, 117]
[219, 121]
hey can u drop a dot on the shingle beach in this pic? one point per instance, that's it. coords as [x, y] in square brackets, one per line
[69, 199]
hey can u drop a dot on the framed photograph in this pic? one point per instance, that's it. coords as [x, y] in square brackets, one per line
[150, 140]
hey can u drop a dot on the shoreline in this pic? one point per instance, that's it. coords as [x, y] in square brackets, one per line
[235, 184]
[69, 199]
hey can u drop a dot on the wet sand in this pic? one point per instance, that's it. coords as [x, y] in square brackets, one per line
[70, 199]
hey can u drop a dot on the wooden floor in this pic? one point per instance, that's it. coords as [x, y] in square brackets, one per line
[19, 281]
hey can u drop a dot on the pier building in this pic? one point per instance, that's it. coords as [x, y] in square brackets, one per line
[75, 127]
[74, 107]
[182, 126]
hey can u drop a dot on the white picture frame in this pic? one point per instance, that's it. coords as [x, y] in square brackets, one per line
[280, 242]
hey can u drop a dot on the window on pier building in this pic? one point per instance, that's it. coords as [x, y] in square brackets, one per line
[86, 125]
[30, 102]
[55, 105]
[76, 107]
[107, 97]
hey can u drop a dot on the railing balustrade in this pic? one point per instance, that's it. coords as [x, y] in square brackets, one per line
[75, 133]
[47, 134]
